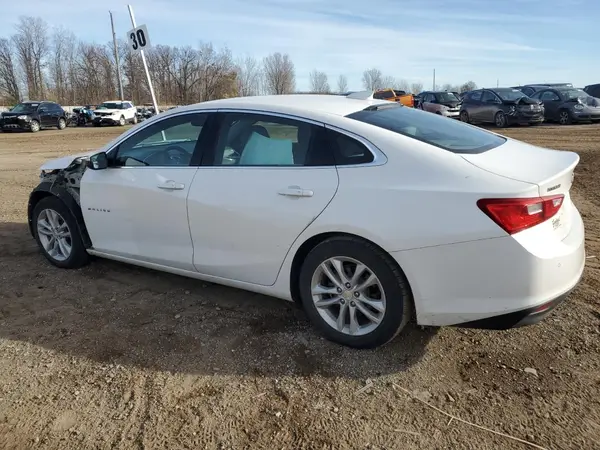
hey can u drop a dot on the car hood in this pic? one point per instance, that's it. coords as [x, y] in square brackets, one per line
[65, 161]
[111, 111]
[14, 114]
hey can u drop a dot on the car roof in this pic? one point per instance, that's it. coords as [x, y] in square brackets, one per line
[293, 104]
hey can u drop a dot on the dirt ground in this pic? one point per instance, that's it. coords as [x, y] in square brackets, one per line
[118, 357]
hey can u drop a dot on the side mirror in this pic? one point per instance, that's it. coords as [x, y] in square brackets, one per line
[98, 161]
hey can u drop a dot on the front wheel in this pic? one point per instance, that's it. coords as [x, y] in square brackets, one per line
[121, 121]
[564, 118]
[354, 293]
[464, 116]
[57, 234]
[34, 126]
[62, 124]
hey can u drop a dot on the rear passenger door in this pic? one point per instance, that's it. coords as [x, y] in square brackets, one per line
[473, 106]
[267, 178]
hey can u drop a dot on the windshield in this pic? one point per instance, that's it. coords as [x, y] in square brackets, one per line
[575, 93]
[25, 107]
[433, 129]
[108, 105]
[510, 94]
[447, 97]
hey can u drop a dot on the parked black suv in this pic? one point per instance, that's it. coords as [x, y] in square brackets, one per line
[33, 116]
[501, 106]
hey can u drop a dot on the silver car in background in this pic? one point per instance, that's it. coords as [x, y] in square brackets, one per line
[441, 102]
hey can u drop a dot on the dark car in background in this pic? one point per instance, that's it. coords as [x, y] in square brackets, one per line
[502, 107]
[567, 105]
[33, 116]
[593, 90]
[444, 103]
[530, 89]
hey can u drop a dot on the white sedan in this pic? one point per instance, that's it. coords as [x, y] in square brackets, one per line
[366, 212]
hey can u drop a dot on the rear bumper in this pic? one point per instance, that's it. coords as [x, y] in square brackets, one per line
[516, 319]
[494, 283]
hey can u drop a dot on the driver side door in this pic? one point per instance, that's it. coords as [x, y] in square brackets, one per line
[137, 207]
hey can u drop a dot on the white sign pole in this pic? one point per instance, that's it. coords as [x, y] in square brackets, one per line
[145, 64]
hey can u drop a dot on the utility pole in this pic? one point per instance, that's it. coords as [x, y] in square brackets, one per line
[116, 50]
[497, 82]
[434, 79]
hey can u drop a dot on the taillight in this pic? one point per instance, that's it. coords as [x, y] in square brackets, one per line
[518, 214]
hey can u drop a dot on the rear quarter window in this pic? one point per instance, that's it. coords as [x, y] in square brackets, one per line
[448, 134]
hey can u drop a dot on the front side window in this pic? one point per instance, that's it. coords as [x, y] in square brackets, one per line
[447, 97]
[488, 97]
[169, 142]
[264, 140]
[549, 96]
[475, 96]
[433, 129]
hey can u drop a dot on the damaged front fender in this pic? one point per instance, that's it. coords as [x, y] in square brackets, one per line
[63, 183]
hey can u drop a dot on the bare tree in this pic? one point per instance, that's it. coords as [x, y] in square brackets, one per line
[318, 82]
[249, 76]
[468, 86]
[415, 88]
[342, 84]
[279, 74]
[9, 86]
[372, 79]
[32, 48]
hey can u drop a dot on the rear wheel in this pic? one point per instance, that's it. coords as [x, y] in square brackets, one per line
[354, 293]
[134, 120]
[500, 119]
[57, 234]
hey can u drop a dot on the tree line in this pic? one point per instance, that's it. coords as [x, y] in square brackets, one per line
[40, 63]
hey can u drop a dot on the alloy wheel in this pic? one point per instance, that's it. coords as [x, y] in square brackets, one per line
[348, 296]
[564, 118]
[54, 235]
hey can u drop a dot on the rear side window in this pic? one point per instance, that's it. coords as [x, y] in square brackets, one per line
[433, 129]
[347, 150]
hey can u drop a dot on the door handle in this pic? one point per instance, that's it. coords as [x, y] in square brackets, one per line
[170, 185]
[296, 191]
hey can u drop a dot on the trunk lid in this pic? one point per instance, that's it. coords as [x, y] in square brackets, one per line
[551, 170]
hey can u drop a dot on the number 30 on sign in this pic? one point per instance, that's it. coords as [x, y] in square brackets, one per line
[138, 38]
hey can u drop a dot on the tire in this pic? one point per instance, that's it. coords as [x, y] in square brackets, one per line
[122, 121]
[391, 282]
[134, 120]
[50, 207]
[564, 117]
[35, 126]
[62, 124]
[500, 120]
[464, 117]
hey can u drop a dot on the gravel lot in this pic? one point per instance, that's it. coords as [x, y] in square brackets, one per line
[117, 357]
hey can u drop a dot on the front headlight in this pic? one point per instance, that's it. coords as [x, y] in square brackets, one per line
[24, 117]
[579, 106]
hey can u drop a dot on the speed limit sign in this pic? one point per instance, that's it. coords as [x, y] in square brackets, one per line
[138, 38]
